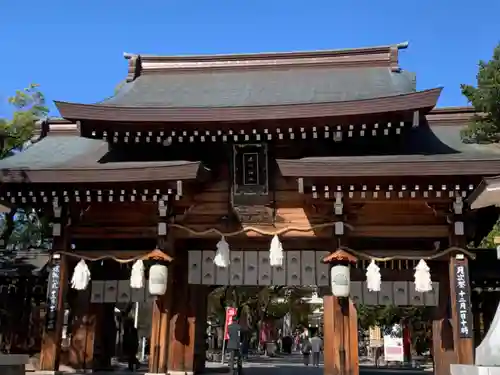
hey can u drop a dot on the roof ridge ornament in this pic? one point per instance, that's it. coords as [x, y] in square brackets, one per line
[134, 66]
[403, 45]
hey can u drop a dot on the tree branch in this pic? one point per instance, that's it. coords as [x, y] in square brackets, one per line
[9, 226]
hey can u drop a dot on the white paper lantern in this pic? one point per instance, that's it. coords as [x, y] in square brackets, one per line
[137, 275]
[340, 279]
[81, 276]
[158, 275]
[222, 258]
[276, 252]
[423, 282]
[373, 277]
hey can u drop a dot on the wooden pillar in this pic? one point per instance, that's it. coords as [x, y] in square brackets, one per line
[179, 339]
[195, 354]
[83, 325]
[187, 320]
[461, 317]
[442, 331]
[476, 316]
[104, 332]
[340, 327]
[50, 354]
[163, 305]
[340, 336]
[159, 334]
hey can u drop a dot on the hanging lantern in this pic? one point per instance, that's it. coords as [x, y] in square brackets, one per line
[340, 279]
[158, 275]
[423, 282]
[81, 276]
[137, 276]
[373, 277]
[222, 258]
[276, 252]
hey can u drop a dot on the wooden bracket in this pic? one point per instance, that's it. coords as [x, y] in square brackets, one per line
[454, 250]
[157, 254]
[340, 255]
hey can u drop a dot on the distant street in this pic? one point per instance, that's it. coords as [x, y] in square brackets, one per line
[290, 365]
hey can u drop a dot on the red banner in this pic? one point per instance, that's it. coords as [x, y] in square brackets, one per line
[230, 314]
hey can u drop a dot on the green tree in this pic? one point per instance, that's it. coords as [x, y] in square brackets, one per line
[259, 303]
[488, 242]
[21, 228]
[29, 106]
[485, 126]
[485, 98]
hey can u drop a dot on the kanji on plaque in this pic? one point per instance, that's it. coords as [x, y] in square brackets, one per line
[53, 295]
[463, 305]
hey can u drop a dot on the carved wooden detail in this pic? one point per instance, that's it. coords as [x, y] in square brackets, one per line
[340, 255]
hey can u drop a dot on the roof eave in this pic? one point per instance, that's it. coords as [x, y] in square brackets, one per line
[320, 169]
[486, 194]
[188, 171]
[421, 100]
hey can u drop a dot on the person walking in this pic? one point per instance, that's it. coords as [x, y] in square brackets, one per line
[234, 345]
[306, 350]
[316, 348]
[130, 344]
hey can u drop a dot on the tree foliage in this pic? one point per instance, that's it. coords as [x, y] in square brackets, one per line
[260, 303]
[21, 228]
[417, 318]
[485, 98]
[29, 106]
[488, 242]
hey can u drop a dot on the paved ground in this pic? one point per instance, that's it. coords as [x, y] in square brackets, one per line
[290, 365]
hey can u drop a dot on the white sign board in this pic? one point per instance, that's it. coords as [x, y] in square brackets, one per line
[393, 345]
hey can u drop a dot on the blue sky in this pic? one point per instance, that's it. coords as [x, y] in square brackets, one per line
[74, 49]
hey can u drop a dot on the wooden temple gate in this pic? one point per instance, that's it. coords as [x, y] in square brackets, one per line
[333, 153]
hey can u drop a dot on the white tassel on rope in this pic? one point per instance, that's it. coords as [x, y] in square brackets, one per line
[222, 258]
[423, 281]
[276, 252]
[373, 277]
[81, 276]
[137, 279]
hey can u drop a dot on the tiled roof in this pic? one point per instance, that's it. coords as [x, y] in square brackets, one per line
[262, 87]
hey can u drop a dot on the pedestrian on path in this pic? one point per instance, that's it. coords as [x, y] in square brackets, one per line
[316, 348]
[131, 344]
[306, 350]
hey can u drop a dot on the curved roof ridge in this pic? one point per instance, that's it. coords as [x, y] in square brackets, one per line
[259, 55]
[385, 55]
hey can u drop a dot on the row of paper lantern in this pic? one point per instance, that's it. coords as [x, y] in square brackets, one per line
[339, 274]
[340, 278]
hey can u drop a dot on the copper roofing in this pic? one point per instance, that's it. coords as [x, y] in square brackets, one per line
[73, 159]
[259, 87]
[435, 148]
[486, 194]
